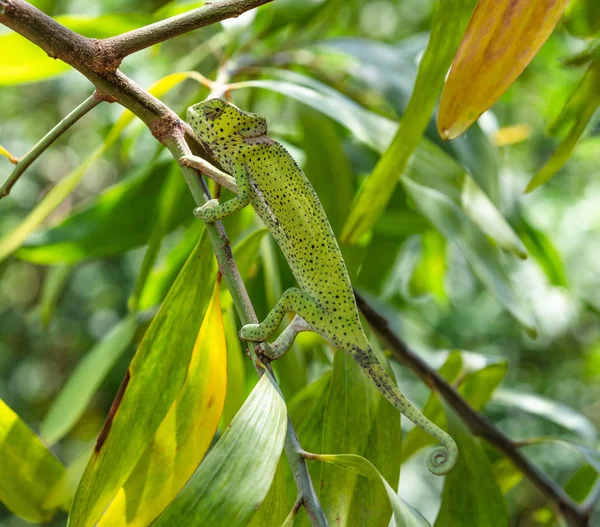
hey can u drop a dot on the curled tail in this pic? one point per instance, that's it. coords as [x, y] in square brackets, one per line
[444, 457]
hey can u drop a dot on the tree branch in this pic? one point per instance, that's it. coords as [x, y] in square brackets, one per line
[574, 514]
[91, 58]
[123, 45]
[24, 162]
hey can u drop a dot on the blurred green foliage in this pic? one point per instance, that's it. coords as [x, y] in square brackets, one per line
[333, 79]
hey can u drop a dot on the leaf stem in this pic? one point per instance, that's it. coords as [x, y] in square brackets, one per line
[24, 162]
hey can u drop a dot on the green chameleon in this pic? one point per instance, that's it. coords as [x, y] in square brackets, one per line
[268, 177]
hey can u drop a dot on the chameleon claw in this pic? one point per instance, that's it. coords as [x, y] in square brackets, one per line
[204, 212]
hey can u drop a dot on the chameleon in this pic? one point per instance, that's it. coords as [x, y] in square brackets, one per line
[269, 179]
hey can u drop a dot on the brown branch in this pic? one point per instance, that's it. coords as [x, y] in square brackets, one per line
[123, 45]
[574, 514]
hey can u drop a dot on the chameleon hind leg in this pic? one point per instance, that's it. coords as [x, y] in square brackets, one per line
[293, 300]
[284, 342]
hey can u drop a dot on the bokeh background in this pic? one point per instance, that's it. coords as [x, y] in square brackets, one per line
[52, 313]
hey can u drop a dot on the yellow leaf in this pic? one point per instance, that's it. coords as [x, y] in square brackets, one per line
[511, 135]
[501, 39]
[184, 435]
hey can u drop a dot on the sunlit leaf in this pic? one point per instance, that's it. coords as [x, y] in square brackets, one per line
[404, 514]
[234, 478]
[579, 111]
[471, 495]
[85, 380]
[501, 39]
[154, 378]
[447, 27]
[29, 470]
[185, 434]
[553, 411]
[26, 62]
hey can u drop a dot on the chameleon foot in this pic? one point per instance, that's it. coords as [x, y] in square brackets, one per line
[248, 332]
[205, 212]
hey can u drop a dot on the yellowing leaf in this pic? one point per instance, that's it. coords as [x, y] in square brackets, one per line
[185, 434]
[155, 378]
[4, 152]
[28, 470]
[502, 38]
[238, 472]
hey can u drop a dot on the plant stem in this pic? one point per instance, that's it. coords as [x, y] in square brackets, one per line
[91, 102]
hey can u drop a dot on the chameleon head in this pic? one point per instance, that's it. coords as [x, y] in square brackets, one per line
[215, 120]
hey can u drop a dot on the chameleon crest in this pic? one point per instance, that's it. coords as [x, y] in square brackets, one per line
[268, 178]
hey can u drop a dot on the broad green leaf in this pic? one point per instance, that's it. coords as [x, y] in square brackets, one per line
[471, 495]
[501, 39]
[236, 371]
[128, 210]
[357, 420]
[185, 434]
[550, 410]
[163, 275]
[235, 477]
[153, 381]
[481, 255]
[26, 62]
[29, 470]
[404, 514]
[507, 475]
[273, 509]
[579, 110]
[85, 380]
[447, 27]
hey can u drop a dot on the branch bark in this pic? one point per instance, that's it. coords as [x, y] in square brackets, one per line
[574, 514]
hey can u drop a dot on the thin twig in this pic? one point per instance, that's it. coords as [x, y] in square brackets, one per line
[123, 45]
[574, 514]
[23, 164]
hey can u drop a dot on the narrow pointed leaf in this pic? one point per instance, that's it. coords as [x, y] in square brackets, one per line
[404, 514]
[85, 380]
[29, 471]
[184, 435]
[501, 39]
[235, 477]
[448, 25]
[154, 379]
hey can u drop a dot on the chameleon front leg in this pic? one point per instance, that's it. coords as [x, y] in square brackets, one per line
[213, 210]
[293, 300]
[284, 342]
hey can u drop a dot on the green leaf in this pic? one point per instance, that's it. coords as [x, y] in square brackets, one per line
[471, 495]
[234, 478]
[447, 28]
[579, 110]
[358, 420]
[550, 410]
[127, 210]
[85, 380]
[55, 282]
[179, 444]
[274, 509]
[155, 377]
[404, 514]
[478, 251]
[236, 371]
[29, 470]
[26, 62]
[285, 12]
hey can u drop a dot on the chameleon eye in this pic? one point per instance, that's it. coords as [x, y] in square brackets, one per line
[211, 113]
